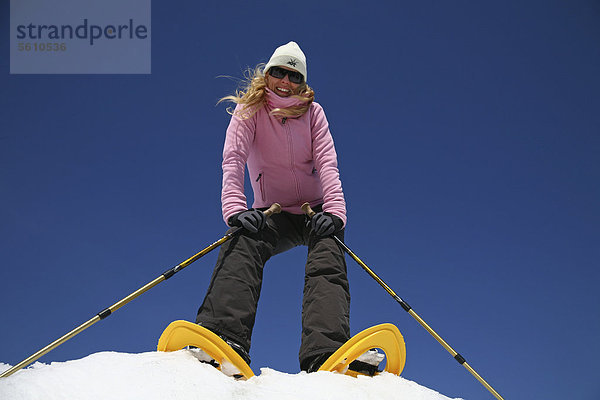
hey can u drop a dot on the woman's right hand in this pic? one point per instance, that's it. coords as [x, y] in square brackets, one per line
[251, 220]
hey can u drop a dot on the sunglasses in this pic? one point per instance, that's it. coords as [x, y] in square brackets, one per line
[279, 73]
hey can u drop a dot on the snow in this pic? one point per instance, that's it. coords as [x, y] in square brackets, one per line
[178, 375]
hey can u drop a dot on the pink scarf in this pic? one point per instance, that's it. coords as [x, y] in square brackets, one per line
[274, 101]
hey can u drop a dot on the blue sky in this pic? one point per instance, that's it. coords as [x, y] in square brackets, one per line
[467, 139]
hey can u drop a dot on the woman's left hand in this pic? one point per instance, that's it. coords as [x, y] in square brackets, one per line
[325, 224]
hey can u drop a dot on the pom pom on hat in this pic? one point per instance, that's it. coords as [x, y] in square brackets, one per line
[289, 55]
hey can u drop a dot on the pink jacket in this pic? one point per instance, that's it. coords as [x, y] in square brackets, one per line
[290, 161]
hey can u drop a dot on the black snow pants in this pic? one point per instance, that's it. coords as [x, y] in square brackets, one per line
[229, 307]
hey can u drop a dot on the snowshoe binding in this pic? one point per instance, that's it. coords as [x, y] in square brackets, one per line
[207, 347]
[359, 355]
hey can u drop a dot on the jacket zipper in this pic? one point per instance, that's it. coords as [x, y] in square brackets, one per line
[291, 151]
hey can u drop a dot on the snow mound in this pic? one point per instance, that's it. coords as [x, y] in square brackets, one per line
[179, 375]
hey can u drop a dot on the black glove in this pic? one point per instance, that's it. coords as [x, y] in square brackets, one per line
[325, 224]
[251, 220]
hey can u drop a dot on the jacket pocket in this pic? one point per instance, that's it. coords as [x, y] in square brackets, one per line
[261, 185]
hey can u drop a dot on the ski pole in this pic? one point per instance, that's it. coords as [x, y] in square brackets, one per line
[461, 360]
[274, 209]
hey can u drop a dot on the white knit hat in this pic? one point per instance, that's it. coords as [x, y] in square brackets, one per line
[289, 55]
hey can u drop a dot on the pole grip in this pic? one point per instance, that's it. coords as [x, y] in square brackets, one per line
[308, 210]
[274, 209]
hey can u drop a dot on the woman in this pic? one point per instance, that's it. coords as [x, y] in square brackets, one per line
[283, 137]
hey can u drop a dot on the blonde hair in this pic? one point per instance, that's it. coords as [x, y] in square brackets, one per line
[252, 92]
